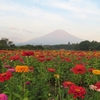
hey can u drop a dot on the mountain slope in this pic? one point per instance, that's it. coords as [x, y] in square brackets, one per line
[55, 37]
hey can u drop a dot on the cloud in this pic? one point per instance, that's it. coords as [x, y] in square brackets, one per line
[11, 33]
[27, 31]
[34, 18]
[13, 28]
[82, 8]
[18, 9]
[16, 29]
[78, 6]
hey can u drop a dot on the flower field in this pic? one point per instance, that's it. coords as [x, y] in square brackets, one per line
[49, 75]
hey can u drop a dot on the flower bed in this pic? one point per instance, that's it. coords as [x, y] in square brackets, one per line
[49, 75]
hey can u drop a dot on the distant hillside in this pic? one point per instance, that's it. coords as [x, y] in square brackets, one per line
[55, 37]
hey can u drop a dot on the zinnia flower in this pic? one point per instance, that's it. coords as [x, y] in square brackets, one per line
[67, 59]
[3, 96]
[95, 87]
[5, 76]
[67, 84]
[57, 76]
[48, 59]
[27, 53]
[77, 91]
[21, 69]
[79, 69]
[92, 87]
[16, 57]
[98, 90]
[97, 72]
[91, 69]
[41, 59]
[11, 70]
[28, 83]
[7, 66]
[51, 70]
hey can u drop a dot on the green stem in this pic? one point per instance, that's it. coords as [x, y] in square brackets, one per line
[59, 89]
[23, 82]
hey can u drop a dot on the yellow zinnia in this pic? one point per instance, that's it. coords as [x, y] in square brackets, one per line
[57, 75]
[97, 72]
[21, 69]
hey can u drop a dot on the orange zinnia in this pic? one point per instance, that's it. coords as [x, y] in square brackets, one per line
[96, 72]
[21, 69]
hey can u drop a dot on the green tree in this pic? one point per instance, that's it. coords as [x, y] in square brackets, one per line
[84, 45]
[93, 45]
[5, 43]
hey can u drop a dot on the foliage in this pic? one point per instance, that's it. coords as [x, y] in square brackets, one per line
[84, 45]
[6, 44]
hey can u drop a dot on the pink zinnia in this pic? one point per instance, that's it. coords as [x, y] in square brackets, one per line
[11, 70]
[3, 96]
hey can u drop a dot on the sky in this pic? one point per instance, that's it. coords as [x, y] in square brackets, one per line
[23, 20]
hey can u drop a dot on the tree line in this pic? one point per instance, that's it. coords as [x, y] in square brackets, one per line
[84, 45]
[6, 44]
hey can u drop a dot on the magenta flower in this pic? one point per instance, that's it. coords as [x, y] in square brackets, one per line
[3, 96]
[27, 83]
[11, 70]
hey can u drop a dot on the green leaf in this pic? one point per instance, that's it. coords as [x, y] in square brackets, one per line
[26, 98]
[26, 93]
[19, 87]
[17, 95]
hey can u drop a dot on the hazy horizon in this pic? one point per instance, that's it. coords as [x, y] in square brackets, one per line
[23, 20]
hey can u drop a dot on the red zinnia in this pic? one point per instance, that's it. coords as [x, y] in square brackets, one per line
[27, 53]
[51, 69]
[48, 59]
[5, 76]
[15, 57]
[77, 91]
[98, 85]
[79, 69]
[67, 59]
[41, 59]
[67, 84]
[91, 69]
